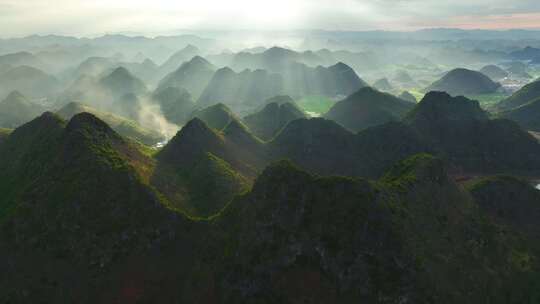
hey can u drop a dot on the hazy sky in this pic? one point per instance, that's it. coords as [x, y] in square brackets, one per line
[92, 17]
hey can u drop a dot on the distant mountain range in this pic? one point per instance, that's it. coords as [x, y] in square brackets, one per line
[29, 81]
[523, 96]
[250, 88]
[16, 110]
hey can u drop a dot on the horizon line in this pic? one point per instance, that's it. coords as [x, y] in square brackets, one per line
[187, 32]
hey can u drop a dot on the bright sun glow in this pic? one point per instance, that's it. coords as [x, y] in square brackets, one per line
[84, 17]
[245, 14]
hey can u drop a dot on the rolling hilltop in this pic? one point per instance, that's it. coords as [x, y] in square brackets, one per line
[464, 82]
[29, 81]
[366, 108]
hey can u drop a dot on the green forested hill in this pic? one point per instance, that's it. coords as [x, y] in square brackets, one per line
[85, 211]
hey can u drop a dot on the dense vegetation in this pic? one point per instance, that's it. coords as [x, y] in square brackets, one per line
[293, 237]
[171, 171]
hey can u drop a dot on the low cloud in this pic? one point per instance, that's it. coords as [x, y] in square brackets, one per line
[149, 116]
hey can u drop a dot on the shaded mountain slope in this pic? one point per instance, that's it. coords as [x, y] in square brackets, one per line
[197, 138]
[4, 133]
[16, 110]
[178, 58]
[383, 85]
[123, 126]
[117, 91]
[77, 202]
[407, 96]
[147, 70]
[324, 147]
[454, 214]
[522, 97]
[299, 213]
[29, 81]
[404, 79]
[464, 82]
[193, 75]
[454, 128]
[200, 169]
[526, 53]
[247, 90]
[275, 59]
[317, 144]
[440, 106]
[193, 140]
[368, 107]
[518, 69]
[333, 81]
[176, 104]
[378, 148]
[510, 201]
[387, 241]
[272, 118]
[83, 206]
[93, 67]
[527, 116]
[200, 187]
[121, 82]
[494, 72]
[21, 58]
[461, 131]
[241, 91]
[304, 74]
[217, 116]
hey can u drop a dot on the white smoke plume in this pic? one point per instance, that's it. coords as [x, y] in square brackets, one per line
[150, 117]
